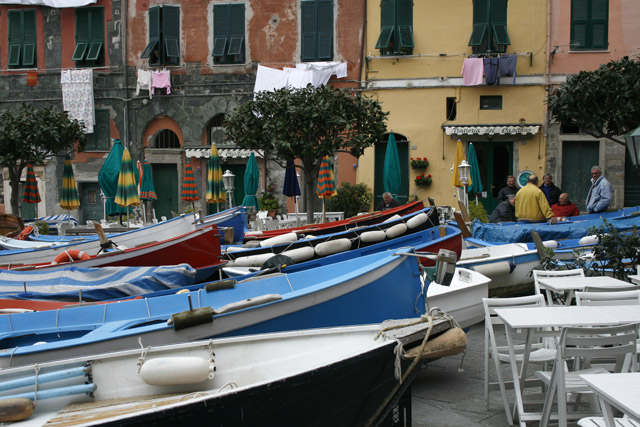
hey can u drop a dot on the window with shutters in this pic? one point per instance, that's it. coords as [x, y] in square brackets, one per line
[89, 51]
[22, 38]
[100, 139]
[164, 36]
[317, 30]
[489, 34]
[589, 24]
[228, 34]
[396, 27]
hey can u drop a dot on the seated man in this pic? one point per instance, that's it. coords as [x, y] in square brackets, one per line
[505, 211]
[387, 202]
[565, 207]
[531, 203]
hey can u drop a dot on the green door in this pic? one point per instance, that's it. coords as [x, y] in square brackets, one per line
[27, 210]
[238, 184]
[165, 178]
[577, 159]
[631, 183]
[495, 161]
[91, 207]
[403, 155]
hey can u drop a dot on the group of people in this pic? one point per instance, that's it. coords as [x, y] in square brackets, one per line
[547, 202]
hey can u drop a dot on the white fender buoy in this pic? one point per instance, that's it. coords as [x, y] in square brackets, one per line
[250, 260]
[417, 220]
[393, 218]
[332, 247]
[176, 370]
[494, 268]
[588, 240]
[396, 230]
[283, 238]
[235, 248]
[373, 236]
[551, 244]
[300, 254]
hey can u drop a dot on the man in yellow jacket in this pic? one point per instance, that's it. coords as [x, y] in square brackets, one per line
[531, 203]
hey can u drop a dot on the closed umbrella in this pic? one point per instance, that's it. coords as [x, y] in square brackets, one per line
[291, 186]
[251, 180]
[147, 188]
[69, 198]
[108, 178]
[476, 182]
[326, 186]
[126, 190]
[31, 193]
[392, 167]
[189, 188]
[215, 185]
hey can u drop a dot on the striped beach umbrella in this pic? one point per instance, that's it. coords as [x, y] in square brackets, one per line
[147, 188]
[189, 188]
[326, 186]
[31, 193]
[215, 186]
[126, 191]
[69, 199]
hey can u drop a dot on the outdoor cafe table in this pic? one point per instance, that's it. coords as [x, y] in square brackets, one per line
[529, 319]
[577, 283]
[621, 391]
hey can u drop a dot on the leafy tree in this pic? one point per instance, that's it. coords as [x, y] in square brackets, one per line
[351, 199]
[308, 124]
[604, 103]
[29, 135]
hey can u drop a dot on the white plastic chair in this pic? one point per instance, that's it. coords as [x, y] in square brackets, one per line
[600, 422]
[538, 274]
[500, 353]
[579, 344]
[608, 298]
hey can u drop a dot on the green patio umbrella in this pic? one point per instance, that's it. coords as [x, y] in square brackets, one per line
[215, 186]
[251, 181]
[189, 188]
[476, 181]
[147, 188]
[69, 198]
[127, 191]
[392, 178]
[326, 187]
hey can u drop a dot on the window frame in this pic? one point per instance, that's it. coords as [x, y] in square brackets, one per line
[163, 47]
[490, 32]
[89, 50]
[316, 30]
[494, 102]
[396, 28]
[228, 34]
[589, 22]
[22, 40]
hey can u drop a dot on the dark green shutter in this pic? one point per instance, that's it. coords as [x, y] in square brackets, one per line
[387, 23]
[405, 23]
[220, 29]
[29, 37]
[236, 29]
[579, 22]
[309, 30]
[82, 34]
[599, 24]
[325, 30]
[154, 31]
[499, 22]
[480, 22]
[96, 36]
[15, 37]
[171, 31]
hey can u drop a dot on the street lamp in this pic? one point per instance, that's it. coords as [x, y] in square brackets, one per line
[464, 169]
[633, 146]
[227, 181]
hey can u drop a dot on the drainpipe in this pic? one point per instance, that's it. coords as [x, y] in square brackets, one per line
[125, 45]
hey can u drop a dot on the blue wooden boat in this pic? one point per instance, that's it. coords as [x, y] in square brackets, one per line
[366, 289]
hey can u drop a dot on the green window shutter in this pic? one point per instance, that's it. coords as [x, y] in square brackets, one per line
[235, 45]
[325, 29]
[309, 30]
[29, 37]
[82, 34]
[599, 24]
[405, 23]
[100, 138]
[171, 30]
[220, 29]
[480, 23]
[236, 29]
[387, 23]
[154, 31]
[498, 18]
[579, 23]
[96, 33]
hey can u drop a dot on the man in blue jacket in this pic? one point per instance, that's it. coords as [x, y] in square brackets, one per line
[599, 196]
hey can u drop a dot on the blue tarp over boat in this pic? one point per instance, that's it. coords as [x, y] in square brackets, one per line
[96, 284]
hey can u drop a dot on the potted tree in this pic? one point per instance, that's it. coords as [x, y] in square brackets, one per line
[269, 203]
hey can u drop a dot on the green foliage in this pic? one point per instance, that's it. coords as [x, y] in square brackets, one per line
[30, 135]
[43, 227]
[478, 211]
[268, 202]
[307, 124]
[616, 250]
[351, 199]
[603, 103]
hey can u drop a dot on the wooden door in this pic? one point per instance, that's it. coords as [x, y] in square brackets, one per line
[495, 161]
[91, 207]
[403, 156]
[165, 178]
[577, 159]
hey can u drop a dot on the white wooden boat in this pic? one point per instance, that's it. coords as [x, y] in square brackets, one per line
[332, 376]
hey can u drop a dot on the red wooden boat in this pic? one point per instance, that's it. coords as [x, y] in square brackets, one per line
[337, 226]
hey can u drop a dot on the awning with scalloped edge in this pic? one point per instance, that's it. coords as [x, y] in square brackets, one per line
[224, 153]
[58, 4]
[488, 130]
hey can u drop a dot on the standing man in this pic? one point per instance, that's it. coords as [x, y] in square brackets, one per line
[565, 207]
[550, 190]
[387, 202]
[510, 188]
[531, 203]
[599, 196]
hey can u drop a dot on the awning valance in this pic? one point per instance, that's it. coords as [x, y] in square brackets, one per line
[488, 130]
[224, 153]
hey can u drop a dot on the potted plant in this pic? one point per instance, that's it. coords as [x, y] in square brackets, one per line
[269, 203]
[423, 180]
[419, 163]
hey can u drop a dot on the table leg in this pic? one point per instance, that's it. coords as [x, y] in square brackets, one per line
[607, 412]
[517, 384]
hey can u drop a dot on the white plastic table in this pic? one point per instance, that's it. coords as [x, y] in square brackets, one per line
[621, 391]
[529, 319]
[561, 285]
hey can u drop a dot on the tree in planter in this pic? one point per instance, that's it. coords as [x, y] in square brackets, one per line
[308, 124]
[30, 135]
[351, 199]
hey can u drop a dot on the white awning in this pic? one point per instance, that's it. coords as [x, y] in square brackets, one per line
[492, 130]
[58, 4]
[224, 153]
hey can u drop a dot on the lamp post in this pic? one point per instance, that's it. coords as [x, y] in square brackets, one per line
[464, 170]
[227, 181]
[633, 146]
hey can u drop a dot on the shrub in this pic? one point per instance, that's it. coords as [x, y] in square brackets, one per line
[351, 199]
[478, 211]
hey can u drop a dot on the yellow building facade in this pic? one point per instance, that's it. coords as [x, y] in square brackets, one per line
[414, 55]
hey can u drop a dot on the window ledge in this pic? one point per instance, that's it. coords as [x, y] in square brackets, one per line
[590, 51]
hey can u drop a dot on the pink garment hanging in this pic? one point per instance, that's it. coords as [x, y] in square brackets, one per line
[472, 71]
[161, 79]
